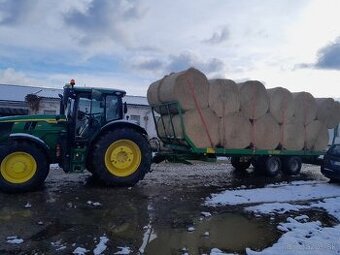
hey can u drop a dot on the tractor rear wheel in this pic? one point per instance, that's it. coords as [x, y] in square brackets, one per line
[24, 167]
[121, 157]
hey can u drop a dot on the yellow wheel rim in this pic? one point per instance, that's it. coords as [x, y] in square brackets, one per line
[122, 158]
[18, 167]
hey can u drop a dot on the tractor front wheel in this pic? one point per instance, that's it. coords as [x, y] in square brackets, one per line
[121, 157]
[24, 167]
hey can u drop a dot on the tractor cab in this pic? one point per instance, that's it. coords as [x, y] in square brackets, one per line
[88, 109]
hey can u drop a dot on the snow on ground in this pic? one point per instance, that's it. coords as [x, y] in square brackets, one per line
[281, 193]
[80, 251]
[101, 246]
[304, 238]
[301, 236]
[216, 251]
[14, 240]
[123, 251]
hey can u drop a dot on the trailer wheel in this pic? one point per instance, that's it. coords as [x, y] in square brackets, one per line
[121, 157]
[239, 164]
[291, 165]
[24, 167]
[272, 166]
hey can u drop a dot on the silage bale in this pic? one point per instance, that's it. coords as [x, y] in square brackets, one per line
[265, 133]
[153, 93]
[322, 139]
[292, 134]
[305, 107]
[223, 96]
[312, 131]
[327, 112]
[188, 88]
[254, 99]
[199, 130]
[281, 104]
[235, 131]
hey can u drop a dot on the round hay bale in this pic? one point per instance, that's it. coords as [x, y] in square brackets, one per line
[152, 93]
[254, 99]
[305, 107]
[195, 129]
[322, 139]
[327, 112]
[236, 131]
[312, 131]
[223, 96]
[281, 104]
[292, 134]
[184, 87]
[265, 133]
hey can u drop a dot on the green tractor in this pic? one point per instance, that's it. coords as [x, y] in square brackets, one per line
[89, 133]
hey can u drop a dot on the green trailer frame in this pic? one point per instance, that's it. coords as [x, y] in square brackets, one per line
[181, 145]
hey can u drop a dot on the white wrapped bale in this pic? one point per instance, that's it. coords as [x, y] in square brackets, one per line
[236, 131]
[195, 127]
[292, 134]
[327, 112]
[265, 133]
[305, 107]
[281, 104]
[254, 99]
[223, 96]
[187, 88]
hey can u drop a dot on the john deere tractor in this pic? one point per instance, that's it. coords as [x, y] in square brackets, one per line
[89, 133]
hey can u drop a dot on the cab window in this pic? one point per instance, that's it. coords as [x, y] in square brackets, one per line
[113, 108]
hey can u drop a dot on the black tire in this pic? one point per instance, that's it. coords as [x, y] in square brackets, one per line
[291, 165]
[108, 176]
[17, 150]
[272, 166]
[240, 165]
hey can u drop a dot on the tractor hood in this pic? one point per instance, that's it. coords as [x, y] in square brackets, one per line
[38, 118]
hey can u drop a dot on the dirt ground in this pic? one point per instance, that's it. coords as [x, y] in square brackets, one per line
[72, 211]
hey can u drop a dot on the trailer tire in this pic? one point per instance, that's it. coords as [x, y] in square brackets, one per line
[122, 157]
[272, 166]
[238, 164]
[291, 165]
[23, 167]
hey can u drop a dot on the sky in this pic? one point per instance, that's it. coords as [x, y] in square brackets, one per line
[128, 44]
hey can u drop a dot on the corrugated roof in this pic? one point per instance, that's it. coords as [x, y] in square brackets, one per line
[9, 92]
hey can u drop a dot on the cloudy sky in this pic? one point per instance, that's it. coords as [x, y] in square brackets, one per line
[128, 44]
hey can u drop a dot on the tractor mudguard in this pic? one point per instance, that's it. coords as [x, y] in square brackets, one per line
[28, 137]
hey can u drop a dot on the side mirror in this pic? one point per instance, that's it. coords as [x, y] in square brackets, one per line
[125, 109]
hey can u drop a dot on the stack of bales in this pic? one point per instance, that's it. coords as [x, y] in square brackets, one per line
[221, 113]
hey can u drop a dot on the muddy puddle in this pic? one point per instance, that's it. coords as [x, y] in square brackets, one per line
[229, 232]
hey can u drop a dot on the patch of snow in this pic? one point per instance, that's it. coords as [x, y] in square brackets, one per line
[331, 205]
[215, 251]
[101, 246]
[149, 235]
[206, 214]
[275, 208]
[206, 234]
[14, 240]
[304, 238]
[28, 205]
[123, 250]
[191, 229]
[80, 251]
[283, 193]
[95, 204]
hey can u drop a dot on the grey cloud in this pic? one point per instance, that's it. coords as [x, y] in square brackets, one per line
[329, 56]
[186, 60]
[149, 65]
[219, 37]
[105, 18]
[14, 11]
